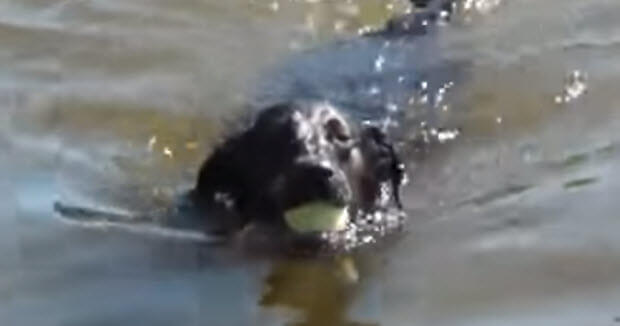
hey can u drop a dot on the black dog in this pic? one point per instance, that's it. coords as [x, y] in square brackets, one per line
[294, 154]
[306, 147]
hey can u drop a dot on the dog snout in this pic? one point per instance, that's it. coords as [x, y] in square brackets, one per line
[330, 184]
[311, 182]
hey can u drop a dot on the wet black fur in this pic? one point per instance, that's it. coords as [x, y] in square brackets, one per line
[265, 170]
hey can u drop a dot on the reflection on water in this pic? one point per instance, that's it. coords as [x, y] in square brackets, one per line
[321, 291]
[114, 104]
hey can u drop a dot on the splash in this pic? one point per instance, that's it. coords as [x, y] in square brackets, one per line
[367, 228]
[575, 86]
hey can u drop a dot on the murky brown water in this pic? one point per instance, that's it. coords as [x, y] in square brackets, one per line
[115, 103]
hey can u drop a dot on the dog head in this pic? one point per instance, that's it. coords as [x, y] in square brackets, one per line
[296, 154]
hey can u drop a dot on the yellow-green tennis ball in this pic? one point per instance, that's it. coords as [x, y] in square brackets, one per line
[317, 216]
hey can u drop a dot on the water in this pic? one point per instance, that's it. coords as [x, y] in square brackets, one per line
[114, 104]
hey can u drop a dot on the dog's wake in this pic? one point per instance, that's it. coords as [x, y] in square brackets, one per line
[150, 224]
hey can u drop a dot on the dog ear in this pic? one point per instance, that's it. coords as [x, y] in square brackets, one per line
[336, 129]
[274, 115]
[387, 164]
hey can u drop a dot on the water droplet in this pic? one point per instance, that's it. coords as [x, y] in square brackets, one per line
[167, 152]
[575, 85]
[152, 142]
[379, 63]
[446, 135]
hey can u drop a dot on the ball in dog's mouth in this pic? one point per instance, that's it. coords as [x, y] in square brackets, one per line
[344, 227]
[317, 216]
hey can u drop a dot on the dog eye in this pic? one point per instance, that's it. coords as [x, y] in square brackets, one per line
[337, 130]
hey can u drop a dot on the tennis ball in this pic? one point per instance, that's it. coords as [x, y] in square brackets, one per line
[317, 216]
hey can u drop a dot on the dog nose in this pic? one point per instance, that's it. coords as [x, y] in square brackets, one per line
[323, 171]
[332, 184]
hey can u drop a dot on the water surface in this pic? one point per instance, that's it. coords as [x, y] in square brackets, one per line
[114, 104]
